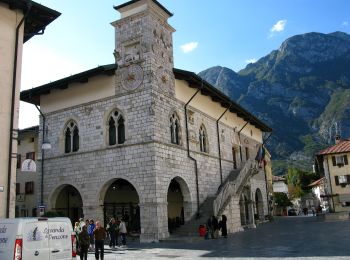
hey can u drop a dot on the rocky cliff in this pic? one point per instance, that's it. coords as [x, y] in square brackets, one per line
[302, 90]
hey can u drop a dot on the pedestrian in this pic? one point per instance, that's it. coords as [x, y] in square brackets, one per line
[77, 231]
[99, 235]
[91, 229]
[123, 231]
[210, 227]
[112, 231]
[215, 226]
[313, 211]
[223, 226]
[84, 243]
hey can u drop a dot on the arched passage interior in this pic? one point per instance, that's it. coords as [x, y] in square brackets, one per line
[69, 203]
[179, 203]
[259, 204]
[122, 201]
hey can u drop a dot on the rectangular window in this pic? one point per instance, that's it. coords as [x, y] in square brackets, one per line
[18, 188]
[30, 155]
[247, 153]
[342, 179]
[340, 160]
[29, 187]
[19, 161]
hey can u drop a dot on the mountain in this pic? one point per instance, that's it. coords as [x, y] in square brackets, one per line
[302, 90]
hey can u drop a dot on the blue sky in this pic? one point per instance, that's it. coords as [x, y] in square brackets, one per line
[228, 33]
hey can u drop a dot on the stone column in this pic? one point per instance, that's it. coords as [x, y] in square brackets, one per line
[94, 212]
[154, 221]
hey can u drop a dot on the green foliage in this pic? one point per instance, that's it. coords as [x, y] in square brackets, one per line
[281, 199]
[299, 180]
[311, 145]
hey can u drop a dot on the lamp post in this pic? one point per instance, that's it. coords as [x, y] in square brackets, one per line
[45, 145]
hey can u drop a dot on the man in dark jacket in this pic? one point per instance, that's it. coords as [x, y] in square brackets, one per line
[84, 242]
[112, 230]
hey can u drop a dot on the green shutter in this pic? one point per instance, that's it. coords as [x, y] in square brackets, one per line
[333, 160]
[346, 159]
[336, 180]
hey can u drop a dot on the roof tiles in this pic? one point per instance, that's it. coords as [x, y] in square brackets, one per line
[342, 147]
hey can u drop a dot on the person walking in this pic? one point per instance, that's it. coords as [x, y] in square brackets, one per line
[215, 225]
[91, 229]
[99, 235]
[123, 232]
[223, 226]
[84, 243]
[112, 230]
[210, 227]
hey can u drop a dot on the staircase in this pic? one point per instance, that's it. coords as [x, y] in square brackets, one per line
[190, 228]
[233, 185]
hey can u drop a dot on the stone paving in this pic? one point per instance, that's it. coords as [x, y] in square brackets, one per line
[284, 238]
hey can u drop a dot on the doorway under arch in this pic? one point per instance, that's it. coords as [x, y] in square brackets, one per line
[244, 210]
[259, 204]
[121, 200]
[69, 203]
[179, 203]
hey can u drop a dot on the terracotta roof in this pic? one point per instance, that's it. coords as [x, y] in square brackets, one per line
[277, 178]
[342, 147]
[317, 183]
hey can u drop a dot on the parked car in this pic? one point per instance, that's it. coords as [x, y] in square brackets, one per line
[292, 212]
[37, 238]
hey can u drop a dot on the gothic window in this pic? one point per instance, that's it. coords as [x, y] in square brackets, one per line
[174, 129]
[71, 135]
[116, 128]
[203, 139]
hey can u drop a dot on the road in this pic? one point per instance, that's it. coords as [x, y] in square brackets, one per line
[284, 238]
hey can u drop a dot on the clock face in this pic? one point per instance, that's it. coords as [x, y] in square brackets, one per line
[132, 77]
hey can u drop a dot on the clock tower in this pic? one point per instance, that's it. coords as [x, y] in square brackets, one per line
[144, 47]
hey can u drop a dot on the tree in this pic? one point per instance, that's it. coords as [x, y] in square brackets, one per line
[298, 182]
[281, 199]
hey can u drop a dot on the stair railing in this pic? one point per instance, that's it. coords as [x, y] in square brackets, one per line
[230, 188]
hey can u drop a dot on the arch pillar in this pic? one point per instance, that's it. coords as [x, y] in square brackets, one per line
[154, 221]
[94, 212]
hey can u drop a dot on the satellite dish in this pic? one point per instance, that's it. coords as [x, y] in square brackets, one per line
[28, 165]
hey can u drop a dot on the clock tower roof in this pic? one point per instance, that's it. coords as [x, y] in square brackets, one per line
[135, 6]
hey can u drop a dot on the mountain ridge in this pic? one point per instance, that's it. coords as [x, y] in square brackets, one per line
[302, 90]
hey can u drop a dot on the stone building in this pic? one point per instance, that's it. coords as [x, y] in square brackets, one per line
[20, 20]
[142, 140]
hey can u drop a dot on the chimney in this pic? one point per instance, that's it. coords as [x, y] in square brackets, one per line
[337, 139]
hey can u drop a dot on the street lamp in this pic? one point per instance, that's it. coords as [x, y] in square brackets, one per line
[45, 145]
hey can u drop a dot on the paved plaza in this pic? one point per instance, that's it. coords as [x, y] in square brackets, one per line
[285, 238]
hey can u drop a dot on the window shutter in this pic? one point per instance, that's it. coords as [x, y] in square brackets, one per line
[336, 180]
[333, 160]
[346, 159]
[348, 177]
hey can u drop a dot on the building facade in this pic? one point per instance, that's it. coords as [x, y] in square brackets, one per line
[27, 176]
[333, 164]
[142, 140]
[19, 21]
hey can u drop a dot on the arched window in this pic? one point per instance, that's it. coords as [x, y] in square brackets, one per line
[174, 129]
[116, 128]
[71, 136]
[203, 139]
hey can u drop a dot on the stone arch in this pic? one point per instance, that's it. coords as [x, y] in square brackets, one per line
[179, 202]
[67, 201]
[259, 204]
[120, 199]
[245, 207]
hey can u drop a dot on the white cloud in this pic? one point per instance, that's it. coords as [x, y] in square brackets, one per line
[279, 26]
[252, 60]
[188, 47]
[345, 23]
